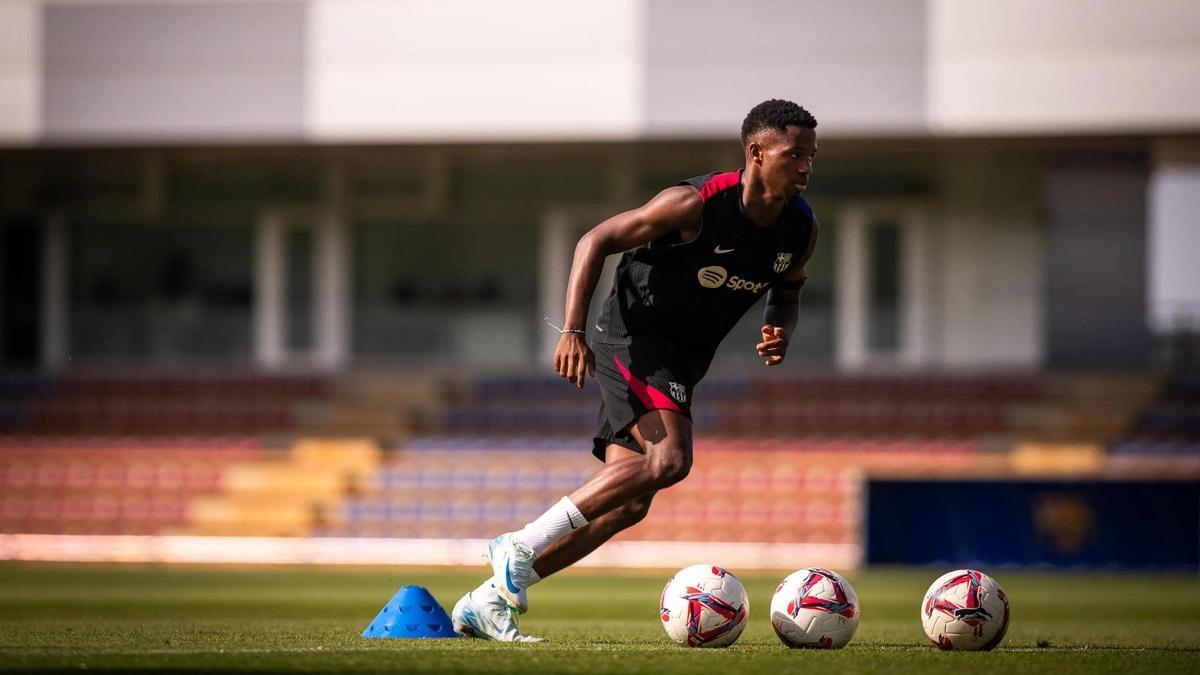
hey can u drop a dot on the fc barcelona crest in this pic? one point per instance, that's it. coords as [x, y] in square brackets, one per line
[678, 392]
[782, 262]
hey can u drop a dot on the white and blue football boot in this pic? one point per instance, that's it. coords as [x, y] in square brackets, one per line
[487, 618]
[511, 561]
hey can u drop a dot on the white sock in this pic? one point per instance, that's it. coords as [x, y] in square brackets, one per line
[560, 519]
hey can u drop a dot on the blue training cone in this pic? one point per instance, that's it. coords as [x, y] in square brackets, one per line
[411, 613]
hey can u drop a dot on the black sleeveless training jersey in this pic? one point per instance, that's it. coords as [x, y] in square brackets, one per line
[691, 294]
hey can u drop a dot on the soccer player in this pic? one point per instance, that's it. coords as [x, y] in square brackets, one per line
[696, 257]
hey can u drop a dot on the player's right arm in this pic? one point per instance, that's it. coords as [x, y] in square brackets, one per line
[674, 209]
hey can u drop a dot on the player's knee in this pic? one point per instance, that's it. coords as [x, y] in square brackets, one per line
[668, 468]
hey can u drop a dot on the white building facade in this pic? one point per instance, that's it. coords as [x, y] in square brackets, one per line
[330, 184]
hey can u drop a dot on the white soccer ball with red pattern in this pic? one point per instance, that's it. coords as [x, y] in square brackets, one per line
[814, 608]
[965, 610]
[704, 606]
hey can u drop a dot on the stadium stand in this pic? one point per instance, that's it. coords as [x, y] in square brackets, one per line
[1165, 434]
[798, 491]
[821, 406]
[290, 494]
[69, 485]
[783, 460]
[153, 405]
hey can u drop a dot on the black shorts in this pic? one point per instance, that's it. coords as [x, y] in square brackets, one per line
[635, 379]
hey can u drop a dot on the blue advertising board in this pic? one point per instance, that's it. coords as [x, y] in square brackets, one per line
[1126, 524]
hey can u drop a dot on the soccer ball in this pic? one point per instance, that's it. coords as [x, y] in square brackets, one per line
[965, 610]
[814, 608]
[704, 606]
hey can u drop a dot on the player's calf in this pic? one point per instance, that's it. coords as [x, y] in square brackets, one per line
[633, 513]
[578, 544]
[666, 466]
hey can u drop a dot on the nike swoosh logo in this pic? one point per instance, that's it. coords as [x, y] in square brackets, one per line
[508, 579]
[571, 521]
[718, 250]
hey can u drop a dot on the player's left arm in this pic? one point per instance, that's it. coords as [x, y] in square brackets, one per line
[783, 307]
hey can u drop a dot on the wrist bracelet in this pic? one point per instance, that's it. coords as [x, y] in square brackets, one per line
[578, 331]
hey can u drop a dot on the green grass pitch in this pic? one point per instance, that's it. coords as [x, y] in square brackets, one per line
[75, 617]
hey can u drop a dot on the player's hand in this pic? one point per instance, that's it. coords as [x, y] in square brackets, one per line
[773, 346]
[573, 358]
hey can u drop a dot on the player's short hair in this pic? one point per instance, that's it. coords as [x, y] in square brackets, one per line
[776, 114]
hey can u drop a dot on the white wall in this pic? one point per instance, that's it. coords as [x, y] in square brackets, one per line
[1069, 66]
[124, 70]
[1173, 246]
[990, 267]
[479, 70]
[20, 70]
[474, 70]
[857, 65]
